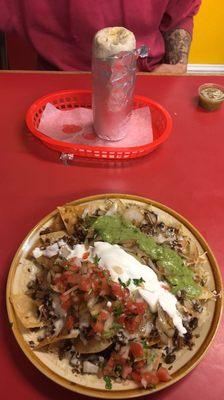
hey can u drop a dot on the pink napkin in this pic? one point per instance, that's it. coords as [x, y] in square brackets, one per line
[76, 126]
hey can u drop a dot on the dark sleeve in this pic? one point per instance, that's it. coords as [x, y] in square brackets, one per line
[179, 15]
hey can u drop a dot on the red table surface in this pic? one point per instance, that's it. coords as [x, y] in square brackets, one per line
[186, 174]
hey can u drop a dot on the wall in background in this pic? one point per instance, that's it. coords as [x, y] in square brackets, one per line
[208, 37]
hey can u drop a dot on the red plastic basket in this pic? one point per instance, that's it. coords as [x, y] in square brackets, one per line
[68, 99]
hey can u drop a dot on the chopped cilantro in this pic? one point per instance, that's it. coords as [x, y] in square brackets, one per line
[96, 260]
[66, 267]
[118, 369]
[144, 344]
[138, 282]
[117, 326]
[123, 283]
[118, 310]
[108, 384]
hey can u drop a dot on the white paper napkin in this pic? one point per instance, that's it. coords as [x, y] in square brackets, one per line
[76, 126]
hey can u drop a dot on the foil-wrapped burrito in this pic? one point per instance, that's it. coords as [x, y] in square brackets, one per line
[114, 71]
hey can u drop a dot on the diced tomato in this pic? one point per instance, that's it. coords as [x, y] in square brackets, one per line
[135, 307]
[98, 327]
[70, 277]
[71, 261]
[141, 307]
[109, 367]
[70, 322]
[66, 304]
[126, 370]
[122, 360]
[84, 284]
[151, 378]
[139, 364]
[110, 362]
[163, 375]
[105, 288]
[85, 255]
[136, 376]
[96, 285]
[103, 315]
[74, 268]
[131, 307]
[117, 290]
[121, 319]
[59, 281]
[136, 349]
[133, 324]
[65, 264]
[101, 274]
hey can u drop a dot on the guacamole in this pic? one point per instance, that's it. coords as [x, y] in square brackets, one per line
[114, 229]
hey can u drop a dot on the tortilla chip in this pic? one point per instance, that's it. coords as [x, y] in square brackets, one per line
[57, 224]
[52, 237]
[45, 342]
[26, 310]
[69, 215]
[93, 346]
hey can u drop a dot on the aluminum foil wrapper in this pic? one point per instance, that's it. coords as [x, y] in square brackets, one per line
[113, 87]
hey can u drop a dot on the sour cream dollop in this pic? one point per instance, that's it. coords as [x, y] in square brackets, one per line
[124, 266]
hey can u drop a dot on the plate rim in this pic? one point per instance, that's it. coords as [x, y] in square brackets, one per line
[130, 393]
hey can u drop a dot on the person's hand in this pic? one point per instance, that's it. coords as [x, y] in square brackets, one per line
[171, 69]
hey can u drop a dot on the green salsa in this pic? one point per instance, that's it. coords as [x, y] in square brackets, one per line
[114, 229]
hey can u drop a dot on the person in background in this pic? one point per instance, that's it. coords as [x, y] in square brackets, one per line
[61, 31]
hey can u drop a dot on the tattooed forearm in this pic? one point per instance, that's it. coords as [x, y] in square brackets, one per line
[177, 45]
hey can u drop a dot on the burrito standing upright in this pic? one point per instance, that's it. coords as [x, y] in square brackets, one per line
[114, 71]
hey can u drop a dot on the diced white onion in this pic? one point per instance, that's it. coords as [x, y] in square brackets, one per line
[90, 368]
